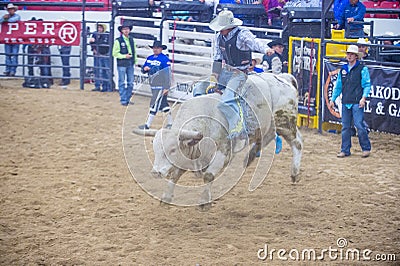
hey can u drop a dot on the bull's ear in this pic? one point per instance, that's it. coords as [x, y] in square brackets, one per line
[190, 134]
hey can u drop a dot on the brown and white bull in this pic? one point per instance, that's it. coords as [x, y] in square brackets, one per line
[198, 139]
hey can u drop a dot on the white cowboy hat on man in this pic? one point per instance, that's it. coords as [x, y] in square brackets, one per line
[362, 41]
[11, 6]
[224, 21]
[354, 50]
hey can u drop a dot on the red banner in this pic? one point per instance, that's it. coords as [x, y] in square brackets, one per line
[64, 33]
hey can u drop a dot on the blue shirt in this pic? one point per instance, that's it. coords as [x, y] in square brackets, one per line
[338, 8]
[14, 18]
[156, 64]
[365, 84]
[161, 61]
[356, 11]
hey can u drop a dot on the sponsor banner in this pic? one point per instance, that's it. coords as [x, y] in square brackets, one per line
[64, 33]
[304, 68]
[179, 92]
[382, 109]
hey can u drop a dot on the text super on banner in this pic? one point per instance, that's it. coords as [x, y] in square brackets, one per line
[64, 33]
[382, 108]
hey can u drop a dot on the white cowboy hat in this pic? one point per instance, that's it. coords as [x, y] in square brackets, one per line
[258, 60]
[362, 41]
[224, 21]
[354, 50]
[11, 6]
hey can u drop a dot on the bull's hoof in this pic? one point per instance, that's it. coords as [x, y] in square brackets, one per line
[295, 178]
[167, 199]
[204, 207]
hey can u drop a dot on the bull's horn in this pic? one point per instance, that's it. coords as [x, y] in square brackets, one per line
[145, 132]
[190, 134]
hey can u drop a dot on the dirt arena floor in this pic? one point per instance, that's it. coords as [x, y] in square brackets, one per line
[67, 196]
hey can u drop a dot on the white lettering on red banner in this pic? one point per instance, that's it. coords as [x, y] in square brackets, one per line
[65, 33]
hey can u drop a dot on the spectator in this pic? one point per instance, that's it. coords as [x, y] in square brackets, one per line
[353, 12]
[28, 48]
[65, 52]
[354, 83]
[363, 48]
[338, 8]
[157, 66]
[11, 50]
[237, 58]
[253, 69]
[274, 12]
[44, 62]
[394, 55]
[100, 47]
[274, 62]
[30, 81]
[124, 50]
[38, 55]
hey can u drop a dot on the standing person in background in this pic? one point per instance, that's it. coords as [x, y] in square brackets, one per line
[65, 52]
[273, 62]
[274, 16]
[100, 47]
[11, 50]
[338, 7]
[44, 60]
[354, 83]
[253, 69]
[352, 12]
[157, 66]
[124, 50]
[363, 48]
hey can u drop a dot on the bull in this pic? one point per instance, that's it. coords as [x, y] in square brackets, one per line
[198, 140]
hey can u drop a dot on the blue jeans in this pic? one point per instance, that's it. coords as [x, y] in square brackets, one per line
[102, 72]
[356, 114]
[230, 105]
[11, 51]
[125, 91]
[65, 52]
